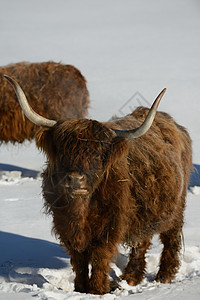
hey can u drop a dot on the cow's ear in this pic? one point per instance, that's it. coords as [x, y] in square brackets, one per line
[119, 149]
[44, 141]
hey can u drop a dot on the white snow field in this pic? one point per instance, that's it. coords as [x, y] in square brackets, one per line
[128, 51]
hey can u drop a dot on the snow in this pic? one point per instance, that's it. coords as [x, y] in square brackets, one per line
[33, 264]
[128, 51]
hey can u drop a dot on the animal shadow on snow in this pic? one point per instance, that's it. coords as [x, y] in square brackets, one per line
[21, 257]
[195, 176]
[24, 172]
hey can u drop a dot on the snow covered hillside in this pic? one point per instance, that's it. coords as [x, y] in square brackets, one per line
[128, 51]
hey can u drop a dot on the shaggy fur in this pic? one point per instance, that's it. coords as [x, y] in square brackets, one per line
[55, 91]
[136, 188]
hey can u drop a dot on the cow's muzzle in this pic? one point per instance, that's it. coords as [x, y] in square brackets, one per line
[76, 185]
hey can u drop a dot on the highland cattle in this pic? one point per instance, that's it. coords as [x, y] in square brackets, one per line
[116, 182]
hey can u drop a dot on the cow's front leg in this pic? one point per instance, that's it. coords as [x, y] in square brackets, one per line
[100, 260]
[79, 262]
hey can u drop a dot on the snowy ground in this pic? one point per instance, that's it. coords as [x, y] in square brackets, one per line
[128, 51]
[33, 265]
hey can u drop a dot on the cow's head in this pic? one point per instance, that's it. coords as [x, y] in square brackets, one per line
[80, 151]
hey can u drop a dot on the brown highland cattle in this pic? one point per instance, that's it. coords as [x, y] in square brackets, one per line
[54, 90]
[106, 184]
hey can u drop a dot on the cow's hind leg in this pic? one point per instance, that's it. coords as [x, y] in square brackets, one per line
[169, 261]
[134, 271]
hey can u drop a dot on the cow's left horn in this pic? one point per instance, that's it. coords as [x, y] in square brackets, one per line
[28, 111]
[142, 129]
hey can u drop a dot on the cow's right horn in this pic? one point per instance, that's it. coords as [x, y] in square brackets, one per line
[28, 111]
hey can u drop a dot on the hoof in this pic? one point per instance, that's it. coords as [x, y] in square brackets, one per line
[132, 279]
[166, 280]
[163, 279]
[131, 282]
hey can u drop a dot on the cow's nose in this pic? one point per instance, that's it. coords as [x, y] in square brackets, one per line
[76, 180]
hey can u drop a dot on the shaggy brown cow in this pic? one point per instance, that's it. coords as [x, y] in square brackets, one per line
[105, 185]
[55, 91]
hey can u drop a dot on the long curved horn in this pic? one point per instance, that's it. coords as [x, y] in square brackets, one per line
[28, 111]
[142, 129]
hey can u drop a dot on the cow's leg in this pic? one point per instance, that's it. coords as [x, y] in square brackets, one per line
[79, 262]
[169, 261]
[134, 271]
[100, 259]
